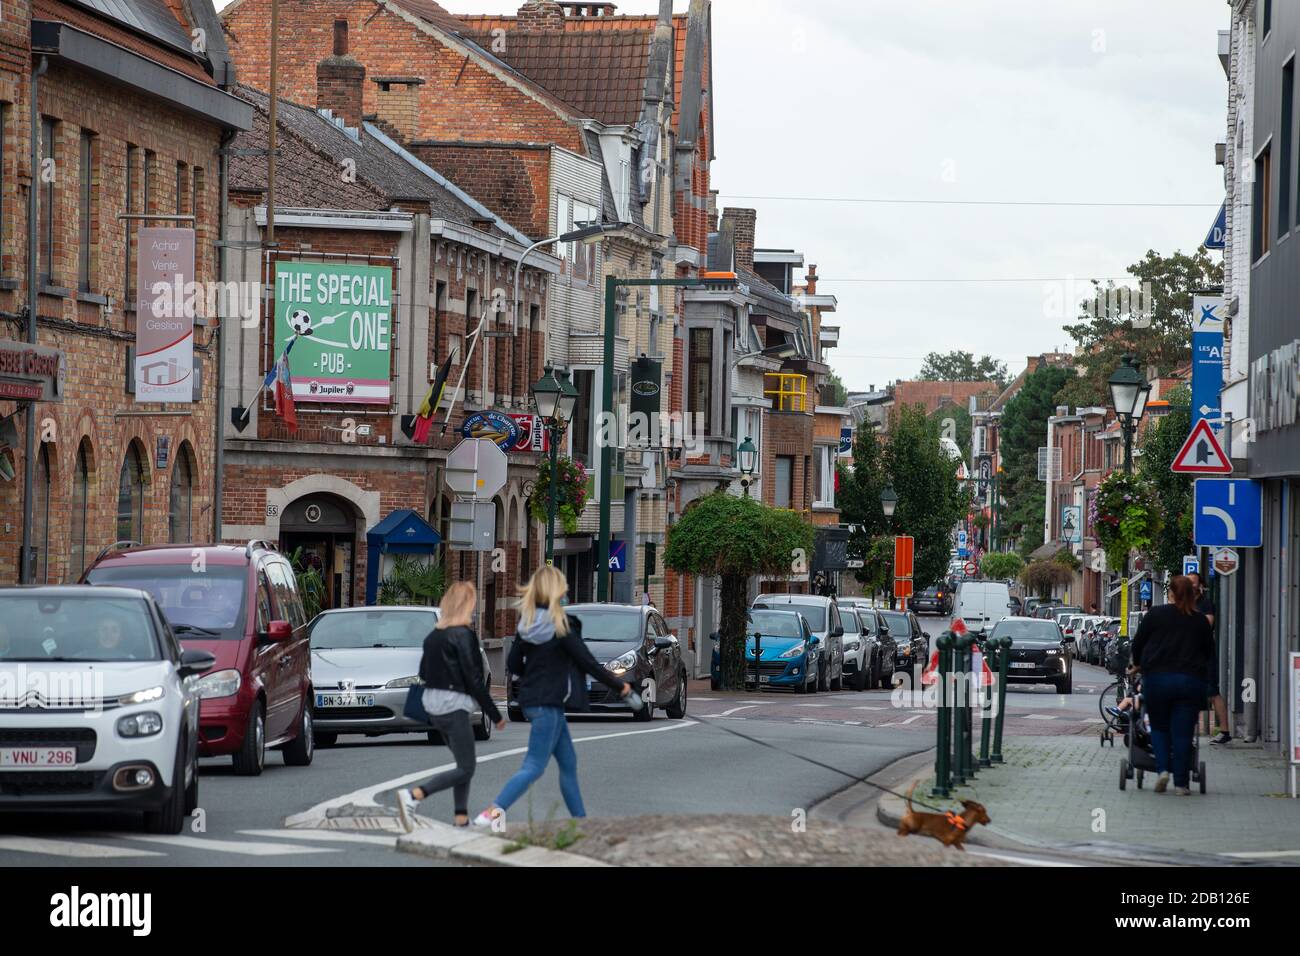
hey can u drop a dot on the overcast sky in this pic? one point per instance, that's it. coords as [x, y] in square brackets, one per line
[1080, 101]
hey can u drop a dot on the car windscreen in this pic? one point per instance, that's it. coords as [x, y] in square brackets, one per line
[615, 627]
[897, 623]
[814, 614]
[1028, 632]
[850, 620]
[204, 605]
[868, 620]
[378, 628]
[774, 624]
[89, 627]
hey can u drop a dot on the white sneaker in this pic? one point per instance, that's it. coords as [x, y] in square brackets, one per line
[406, 807]
[489, 817]
[1162, 783]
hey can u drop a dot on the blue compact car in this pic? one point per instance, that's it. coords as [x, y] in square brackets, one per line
[788, 647]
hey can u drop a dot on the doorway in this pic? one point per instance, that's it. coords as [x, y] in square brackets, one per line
[325, 528]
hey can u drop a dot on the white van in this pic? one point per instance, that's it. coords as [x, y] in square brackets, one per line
[981, 604]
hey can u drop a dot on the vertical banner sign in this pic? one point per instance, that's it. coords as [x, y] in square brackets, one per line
[164, 316]
[1295, 719]
[1207, 358]
[846, 443]
[1071, 524]
[342, 315]
[645, 401]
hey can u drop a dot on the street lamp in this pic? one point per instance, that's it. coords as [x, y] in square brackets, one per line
[556, 399]
[889, 501]
[747, 454]
[1129, 391]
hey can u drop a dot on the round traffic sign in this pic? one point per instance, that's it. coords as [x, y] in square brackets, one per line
[971, 568]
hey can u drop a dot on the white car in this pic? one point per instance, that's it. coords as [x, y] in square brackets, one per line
[981, 604]
[97, 705]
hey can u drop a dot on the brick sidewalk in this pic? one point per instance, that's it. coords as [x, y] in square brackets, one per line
[1059, 791]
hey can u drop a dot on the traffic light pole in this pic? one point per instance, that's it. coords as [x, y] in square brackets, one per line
[612, 285]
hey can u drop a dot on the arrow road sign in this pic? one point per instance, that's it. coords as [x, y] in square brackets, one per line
[1228, 513]
[1202, 454]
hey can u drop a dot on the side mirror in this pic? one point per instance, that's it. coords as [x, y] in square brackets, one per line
[196, 662]
[838, 632]
[662, 643]
[279, 631]
[814, 639]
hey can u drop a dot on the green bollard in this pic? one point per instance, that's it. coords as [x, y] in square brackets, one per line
[959, 751]
[1004, 655]
[986, 728]
[968, 661]
[942, 767]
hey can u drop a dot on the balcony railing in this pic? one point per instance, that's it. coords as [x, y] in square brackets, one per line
[790, 393]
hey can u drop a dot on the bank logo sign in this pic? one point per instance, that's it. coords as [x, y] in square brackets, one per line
[343, 318]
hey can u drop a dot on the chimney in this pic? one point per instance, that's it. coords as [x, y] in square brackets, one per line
[397, 104]
[541, 16]
[712, 210]
[810, 283]
[588, 10]
[742, 222]
[339, 80]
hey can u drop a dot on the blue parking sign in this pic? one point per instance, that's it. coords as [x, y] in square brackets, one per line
[1191, 564]
[618, 556]
[1227, 513]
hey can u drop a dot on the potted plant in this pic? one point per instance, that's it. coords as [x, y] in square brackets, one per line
[1125, 516]
[570, 493]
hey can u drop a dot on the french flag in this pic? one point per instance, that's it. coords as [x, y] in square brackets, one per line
[283, 382]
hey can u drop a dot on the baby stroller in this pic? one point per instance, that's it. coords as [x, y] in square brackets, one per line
[1137, 737]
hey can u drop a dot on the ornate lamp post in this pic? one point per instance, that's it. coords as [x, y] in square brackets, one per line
[1129, 391]
[556, 399]
[888, 501]
[747, 455]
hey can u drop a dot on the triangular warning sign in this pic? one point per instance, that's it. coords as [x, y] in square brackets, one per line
[1202, 454]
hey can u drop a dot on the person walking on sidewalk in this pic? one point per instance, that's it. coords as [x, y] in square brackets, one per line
[552, 663]
[452, 672]
[1173, 648]
[1205, 606]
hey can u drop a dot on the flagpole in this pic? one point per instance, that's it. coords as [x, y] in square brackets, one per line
[469, 357]
[262, 388]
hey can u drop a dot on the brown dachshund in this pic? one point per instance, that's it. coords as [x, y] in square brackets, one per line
[950, 829]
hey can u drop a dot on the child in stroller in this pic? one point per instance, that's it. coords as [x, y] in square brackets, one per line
[1136, 723]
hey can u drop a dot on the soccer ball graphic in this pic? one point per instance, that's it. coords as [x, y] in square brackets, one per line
[300, 322]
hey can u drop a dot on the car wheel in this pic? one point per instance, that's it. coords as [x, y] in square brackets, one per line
[677, 709]
[483, 729]
[170, 817]
[324, 739]
[192, 791]
[252, 755]
[299, 751]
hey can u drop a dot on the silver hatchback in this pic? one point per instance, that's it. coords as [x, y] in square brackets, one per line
[364, 660]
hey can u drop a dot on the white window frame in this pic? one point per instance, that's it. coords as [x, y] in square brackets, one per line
[824, 494]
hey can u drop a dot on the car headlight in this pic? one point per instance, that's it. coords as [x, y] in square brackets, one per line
[622, 663]
[402, 682]
[221, 684]
[794, 651]
[852, 645]
[146, 696]
[140, 725]
[1052, 651]
[905, 650]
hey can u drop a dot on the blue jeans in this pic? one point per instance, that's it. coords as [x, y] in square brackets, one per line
[1173, 702]
[548, 736]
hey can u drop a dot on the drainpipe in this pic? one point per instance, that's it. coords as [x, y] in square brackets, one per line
[29, 438]
[219, 426]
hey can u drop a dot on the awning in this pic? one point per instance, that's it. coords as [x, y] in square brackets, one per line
[402, 532]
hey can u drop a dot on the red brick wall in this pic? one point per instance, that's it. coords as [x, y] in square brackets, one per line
[512, 181]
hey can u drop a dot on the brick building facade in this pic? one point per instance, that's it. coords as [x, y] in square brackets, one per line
[131, 122]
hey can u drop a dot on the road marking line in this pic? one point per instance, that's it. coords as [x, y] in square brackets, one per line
[1263, 854]
[871, 708]
[1037, 716]
[1093, 720]
[903, 723]
[1026, 860]
[232, 846]
[854, 723]
[327, 836]
[71, 848]
[366, 795]
[728, 713]
[812, 705]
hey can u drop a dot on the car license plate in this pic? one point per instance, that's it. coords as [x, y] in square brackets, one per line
[345, 700]
[1023, 664]
[764, 679]
[38, 756]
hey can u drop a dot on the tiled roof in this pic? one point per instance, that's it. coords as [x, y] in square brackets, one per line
[602, 75]
[431, 12]
[152, 38]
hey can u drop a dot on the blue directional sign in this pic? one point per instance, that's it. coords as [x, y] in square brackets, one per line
[1217, 236]
[962, 550]
[1144, 591]
[618, 556]
[1228, 513]
[1207, 359]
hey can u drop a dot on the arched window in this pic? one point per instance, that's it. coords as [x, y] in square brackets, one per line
[41, 517]
[80, 517]
[130, 497]
[180, 506]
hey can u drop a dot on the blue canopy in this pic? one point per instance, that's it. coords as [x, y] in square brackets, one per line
[402, 532]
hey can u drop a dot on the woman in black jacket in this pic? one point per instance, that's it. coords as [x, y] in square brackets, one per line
[1173, 648]
[552, 663]
[452, 673]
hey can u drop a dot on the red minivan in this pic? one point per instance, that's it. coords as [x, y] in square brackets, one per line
[240, 604]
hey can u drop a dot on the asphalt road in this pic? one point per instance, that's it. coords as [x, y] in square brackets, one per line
[770, 753]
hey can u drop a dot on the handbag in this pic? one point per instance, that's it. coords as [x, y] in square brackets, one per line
[414, 709]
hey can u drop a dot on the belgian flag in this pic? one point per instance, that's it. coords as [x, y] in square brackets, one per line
[424, 415]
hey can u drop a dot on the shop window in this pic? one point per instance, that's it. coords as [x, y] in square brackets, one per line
[130, 497]
[80, 516]
[180, 505]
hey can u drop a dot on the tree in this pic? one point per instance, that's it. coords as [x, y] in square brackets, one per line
[1160, 444]
[1023, 432]
[1001, 565]
[858, 498]
[834, 392]
[957, 366]
[721, 535]
[1105, 331]
[1041, 576]
[960, 428]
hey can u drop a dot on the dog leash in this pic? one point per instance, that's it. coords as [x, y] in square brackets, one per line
[843, 773]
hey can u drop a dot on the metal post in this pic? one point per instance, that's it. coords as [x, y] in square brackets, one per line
[550, 495]
[942, 769]
[1004, 655]
[986, 725]
[959, 749]
[26, 566]
[758, 655]
[606, 453]
[968, 730]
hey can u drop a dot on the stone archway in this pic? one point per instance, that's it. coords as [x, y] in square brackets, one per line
[328, 517]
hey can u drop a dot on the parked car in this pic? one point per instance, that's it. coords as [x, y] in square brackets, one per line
[103, 714]
[1070, 625]
[1103, 637]
[857, 646]
[363, 661]
[788, 647]
[632, 642]
[981, 604]
[244, 609]
[911, 643]
[1017, 606]
[878, 669]
[1085, 633]
[936, 599]
[823, 616]
[1039, 653]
